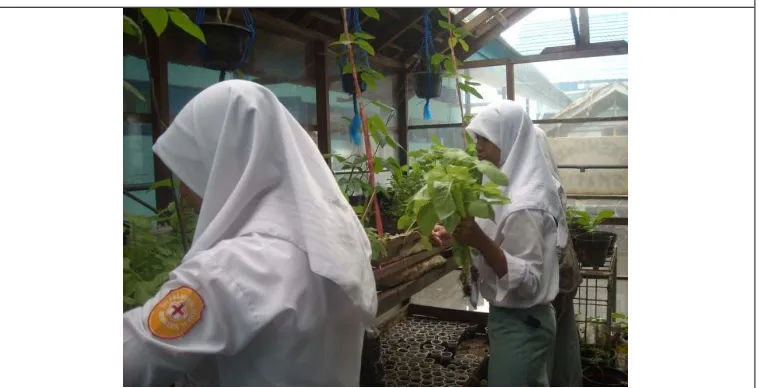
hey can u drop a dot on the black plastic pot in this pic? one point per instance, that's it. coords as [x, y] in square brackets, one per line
[613, 240]
[227, 45]
[603, 376]
[592, 249]
[420, 81]
[347, 82]
[591, 356]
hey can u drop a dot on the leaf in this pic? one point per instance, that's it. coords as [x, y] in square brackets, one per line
[470, 89]
[404, 222]
[381, 105]
[453, 41]
[462, 32]
[369, 80]
[131, 28]
[157, 17]
[492, 172]
[427, 219]
[371, 12]
[181, 20]
[480, 209]
[444, 12]
[446, 25]
[126, 263]
[449, 66]
[436, 59]
[366, 46]
[134, 91]
[464, 44]
[168, 182]
[442, 199]
[363, 35]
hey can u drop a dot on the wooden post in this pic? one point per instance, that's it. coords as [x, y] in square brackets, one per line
[510, 81]
[160, 109]
[402, 114]
[323, 98]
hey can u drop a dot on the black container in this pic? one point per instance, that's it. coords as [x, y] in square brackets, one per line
[420, 81]
[227, 45]
[592, 249]
[613, 240]
[347, 82]
[603, 376]
[591, 356]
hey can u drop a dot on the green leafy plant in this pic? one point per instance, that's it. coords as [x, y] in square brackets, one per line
[152, 249]
[585, 220]
[453, 190]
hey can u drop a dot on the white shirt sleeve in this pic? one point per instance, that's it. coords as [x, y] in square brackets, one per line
[201, 310]
[523, 245]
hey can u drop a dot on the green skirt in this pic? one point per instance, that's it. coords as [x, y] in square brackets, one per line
[521, 343]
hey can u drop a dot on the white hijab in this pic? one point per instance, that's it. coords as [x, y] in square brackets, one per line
[549, 156]
[259, 171]
[531, 181]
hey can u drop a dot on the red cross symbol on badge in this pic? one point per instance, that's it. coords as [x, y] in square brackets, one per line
[177, 310]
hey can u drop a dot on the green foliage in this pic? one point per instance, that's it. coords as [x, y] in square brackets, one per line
[456, 37]
[585, 220]
[452, 190]
[151, 252]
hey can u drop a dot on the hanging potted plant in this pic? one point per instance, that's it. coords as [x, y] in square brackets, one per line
[428, 84]
[593, 247]
[227, 44]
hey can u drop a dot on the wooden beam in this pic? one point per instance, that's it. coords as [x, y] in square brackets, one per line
[583, 26]
[589, 52]
[510, 81]
[402, 114]
[270, 23]
[323, 97]
[158, 72]
[384, 43]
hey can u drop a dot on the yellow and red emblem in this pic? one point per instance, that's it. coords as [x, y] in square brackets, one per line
[176, 313]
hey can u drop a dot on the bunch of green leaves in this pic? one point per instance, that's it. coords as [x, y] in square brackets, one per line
[585, 220]
[359, 40]
[620, 322]
[153, 249]
[452, 190]
[159, 19]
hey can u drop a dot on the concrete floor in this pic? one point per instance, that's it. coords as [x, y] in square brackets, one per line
[447, 293]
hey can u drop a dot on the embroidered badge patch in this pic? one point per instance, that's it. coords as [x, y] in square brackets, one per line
[176, 313]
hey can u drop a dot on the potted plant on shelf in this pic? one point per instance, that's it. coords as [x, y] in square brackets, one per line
[227, 44]
[592, 246]
[620, 339]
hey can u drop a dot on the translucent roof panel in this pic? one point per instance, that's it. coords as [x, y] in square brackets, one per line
[551, 27]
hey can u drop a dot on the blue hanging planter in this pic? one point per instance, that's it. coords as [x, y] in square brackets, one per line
[227, 45]
[427, 84]
[361, 59]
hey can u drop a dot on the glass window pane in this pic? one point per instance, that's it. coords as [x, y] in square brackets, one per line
[493, 87]
[136, 74]
[138, 153]
[283, 71]
[133, 207]
[574, 88]
[595, 151]
[423, 138]
[444, 109]
[342, 111]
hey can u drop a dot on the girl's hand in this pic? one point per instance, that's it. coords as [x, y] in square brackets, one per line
[441, 236]
[469, 233]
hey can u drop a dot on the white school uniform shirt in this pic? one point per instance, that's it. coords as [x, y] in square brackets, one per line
[277, 287]
[532, 227]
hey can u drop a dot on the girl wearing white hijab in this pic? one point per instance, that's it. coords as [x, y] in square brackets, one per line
[566, 370]
[277, 287]
[517, 263]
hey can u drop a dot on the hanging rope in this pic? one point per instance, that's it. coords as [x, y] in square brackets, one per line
[427, 47]
[361, 59]
[201, 13]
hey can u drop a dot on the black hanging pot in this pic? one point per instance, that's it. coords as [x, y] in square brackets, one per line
[420, 81]
[227, 45]
[347, 81]
[603, 376]
[592, 249]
